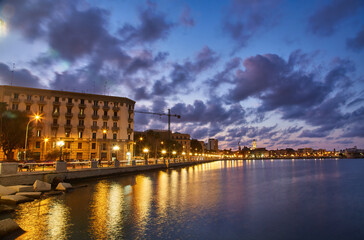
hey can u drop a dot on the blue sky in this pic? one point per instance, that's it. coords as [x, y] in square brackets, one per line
[286, 73]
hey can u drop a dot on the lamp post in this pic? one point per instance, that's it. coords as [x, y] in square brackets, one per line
[183, 154]
[146, 151]
[35, 118]
[45, 148]
[174, 156]
[60, 144]
[116, 148]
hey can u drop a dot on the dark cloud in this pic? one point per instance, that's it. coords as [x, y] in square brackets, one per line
[20, 77]
[295, 143]
[186, 18]
[244, 19]
[144, 61]
[326, 19]
[153, 26]
[356, 43]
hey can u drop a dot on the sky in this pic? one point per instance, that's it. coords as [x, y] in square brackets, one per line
[286, 73]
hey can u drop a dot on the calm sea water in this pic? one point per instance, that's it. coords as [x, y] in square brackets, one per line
[280, 199]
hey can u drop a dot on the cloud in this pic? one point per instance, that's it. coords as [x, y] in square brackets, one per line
[153, 27]
[356, 43]
[325, 20]
[20, 77]
[244, 19]
[186, 18]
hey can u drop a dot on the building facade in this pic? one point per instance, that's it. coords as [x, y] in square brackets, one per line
[213, 144]
[90, 125]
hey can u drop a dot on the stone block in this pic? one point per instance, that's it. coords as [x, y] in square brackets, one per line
[63, 186]
[8, 168]
[40, 186]
[6, 191]
[15, 199]
[61, 166]
[22, 188]
[8, 226]
[30, 194]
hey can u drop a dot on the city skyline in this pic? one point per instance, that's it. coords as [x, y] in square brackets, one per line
[287, 74]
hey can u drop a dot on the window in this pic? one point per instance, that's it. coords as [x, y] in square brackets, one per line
[81, 122]
[105, 113]
[129, 125]
[80, 134]
[129, 137]
[104, 146]
[95, 112]
[106, 103]
[15, 106]
[96, 103]
[94, 123]
[16, 95]
[54, 120]
[41, 108]
[55, 109]
[67, 145]
[93, 146]
[69, 100]
[93, 135]
[56, 99]
[68, 122]
[69, 110]
[105, 124]
[37, 144]
[67, 134]
[82, 111]
[79, 156]
[104, 136]
[114, 136]
[115, 124]
[79, 145]
[29, 97]
[115, 114]
[27, 108]
[82, 101]
[41, 98]
[39, 133]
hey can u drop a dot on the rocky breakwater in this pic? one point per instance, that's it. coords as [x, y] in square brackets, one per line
[13, 195]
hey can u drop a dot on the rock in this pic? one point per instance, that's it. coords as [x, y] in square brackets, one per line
[80, 186]
[8, 226]
[56, 181]
[15, 199]
[6, 209]
[22, 188]
[6, 191]
[40, 186]
[63, 186]
[29, 194]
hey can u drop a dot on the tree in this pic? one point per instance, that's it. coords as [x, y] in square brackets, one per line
[196, 146]
[13, 127]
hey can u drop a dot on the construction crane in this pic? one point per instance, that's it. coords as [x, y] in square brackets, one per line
[163, 114]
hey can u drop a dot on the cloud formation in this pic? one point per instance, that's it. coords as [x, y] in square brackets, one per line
[356, 43]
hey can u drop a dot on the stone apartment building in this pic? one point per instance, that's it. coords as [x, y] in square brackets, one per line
[90, 125]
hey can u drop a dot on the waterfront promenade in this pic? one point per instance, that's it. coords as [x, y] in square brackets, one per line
[30, 172]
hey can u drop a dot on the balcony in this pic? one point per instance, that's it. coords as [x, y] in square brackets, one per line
[130, 130]
[69, 115]
[27, 101]
[106, 108]
[130, 120]
[95, 117]
[56, 103]
[115, 118]
[115, 129]
[94, 128]
[131, 111]
[115, 109]
[15, 100]
[82, 105]
[67, 126]
[105, 117]
[80, 115]
[68, 104]
[42, 102]
[81, 127]
[95, 107]
[54, 125]
[55, 114]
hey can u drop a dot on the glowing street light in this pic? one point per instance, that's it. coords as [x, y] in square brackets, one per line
[35, 118]
[60, 144]
[116, 148]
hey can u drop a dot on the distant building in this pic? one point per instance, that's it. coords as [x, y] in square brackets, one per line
[213, 144]
[89, 124]
[254, 145]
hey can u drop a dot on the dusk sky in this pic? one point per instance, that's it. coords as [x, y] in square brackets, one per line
[286, 73]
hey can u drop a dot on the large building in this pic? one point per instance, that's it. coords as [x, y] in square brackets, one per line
[89, 125]
[213, 144]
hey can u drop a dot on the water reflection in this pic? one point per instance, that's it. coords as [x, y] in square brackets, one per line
[218, 200]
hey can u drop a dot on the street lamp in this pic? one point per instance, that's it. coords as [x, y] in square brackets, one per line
[146, 151]
[35, 118]
[116, 148]
[60, 144]
[45, 147]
